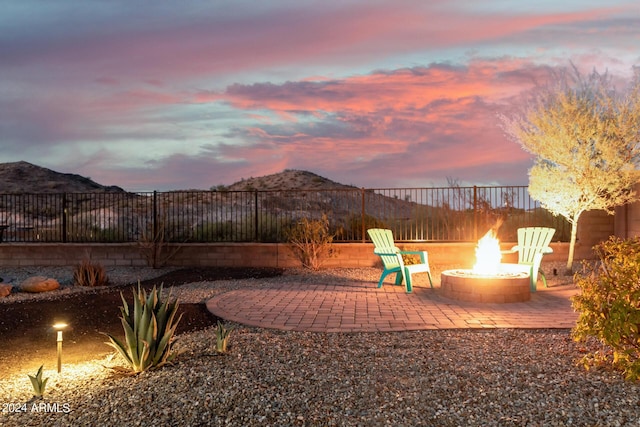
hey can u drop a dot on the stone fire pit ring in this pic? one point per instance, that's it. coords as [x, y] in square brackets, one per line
[510, 285]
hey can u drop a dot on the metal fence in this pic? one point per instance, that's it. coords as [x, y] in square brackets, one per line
[446, 214]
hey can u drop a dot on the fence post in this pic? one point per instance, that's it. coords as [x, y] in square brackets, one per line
[64, 217]
[255, 228]
[154, 212]
[475, 213]
[363, 216]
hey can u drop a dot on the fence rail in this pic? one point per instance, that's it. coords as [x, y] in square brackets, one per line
[414, 214]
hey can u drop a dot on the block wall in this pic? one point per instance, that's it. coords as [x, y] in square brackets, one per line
[244, 254]
[627, 222]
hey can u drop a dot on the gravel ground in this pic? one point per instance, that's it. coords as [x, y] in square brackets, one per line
[64, 275]
[276, 378]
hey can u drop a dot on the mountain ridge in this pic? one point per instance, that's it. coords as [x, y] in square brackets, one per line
[25, 177]
[289, 179]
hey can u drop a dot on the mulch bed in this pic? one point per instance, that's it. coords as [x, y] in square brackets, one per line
[26, 327]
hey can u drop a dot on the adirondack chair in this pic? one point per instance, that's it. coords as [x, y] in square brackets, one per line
[392, 261]
[533, 243]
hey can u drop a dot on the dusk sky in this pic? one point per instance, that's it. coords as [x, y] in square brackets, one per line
[166, 95]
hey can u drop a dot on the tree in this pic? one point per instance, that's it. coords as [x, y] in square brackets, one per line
[585, 136]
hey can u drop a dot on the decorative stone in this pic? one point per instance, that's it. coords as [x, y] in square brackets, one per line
[5, 290]
[39, 284]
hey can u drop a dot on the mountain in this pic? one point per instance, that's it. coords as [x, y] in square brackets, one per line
[24, 177]
[289, 179]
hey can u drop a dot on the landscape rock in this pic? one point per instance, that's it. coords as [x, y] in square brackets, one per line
[39, 284]
[5, 290]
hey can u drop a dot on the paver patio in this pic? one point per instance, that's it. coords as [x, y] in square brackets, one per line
[362, 307]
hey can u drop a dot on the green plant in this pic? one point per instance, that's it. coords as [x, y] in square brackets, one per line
[38, 383]
[583, 133]
[311, 241]
[354, 224]
[222, 337]
[149, 329]
[609, 305]
[90, 274]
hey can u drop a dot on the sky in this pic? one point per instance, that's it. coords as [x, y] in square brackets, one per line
[193, 94]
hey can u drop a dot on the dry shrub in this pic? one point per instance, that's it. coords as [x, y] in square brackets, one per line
[411, 259]
[311, 241]
[90, 274]
[154, 244]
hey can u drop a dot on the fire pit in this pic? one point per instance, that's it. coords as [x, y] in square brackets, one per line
[509, 284]
[489, 280]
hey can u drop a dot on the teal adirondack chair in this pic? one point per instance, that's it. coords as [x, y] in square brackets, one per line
[392, 261]
[533, 243]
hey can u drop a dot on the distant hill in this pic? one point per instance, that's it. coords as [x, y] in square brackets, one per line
[289, 179]
[24, 177]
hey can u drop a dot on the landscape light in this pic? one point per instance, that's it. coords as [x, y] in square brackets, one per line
[59, 327]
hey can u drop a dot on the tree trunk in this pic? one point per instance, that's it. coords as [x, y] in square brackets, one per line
[572, 244]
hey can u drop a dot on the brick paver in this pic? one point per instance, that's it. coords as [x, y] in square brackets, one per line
[362, 307]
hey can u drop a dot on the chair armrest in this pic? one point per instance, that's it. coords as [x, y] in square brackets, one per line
[386, 251]
[547, 250]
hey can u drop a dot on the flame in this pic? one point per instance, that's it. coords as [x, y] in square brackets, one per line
[488, 255]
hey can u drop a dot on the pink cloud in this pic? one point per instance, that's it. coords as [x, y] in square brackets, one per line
[434, 121]
[207, 46]
[157, 78]
[424, 124]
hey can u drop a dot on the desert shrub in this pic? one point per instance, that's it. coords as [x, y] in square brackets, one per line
[88, 229]
[220, 188]
[148, 330]
[354, 224]
[312, 241]
[269, 230]
[214, 232]
[537, 217]
[91, 274]
[107, 235]
[609, 306]
[154, 243]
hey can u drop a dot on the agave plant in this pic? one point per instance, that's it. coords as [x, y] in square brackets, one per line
[222, 337]
[38, 383]
[148, 330]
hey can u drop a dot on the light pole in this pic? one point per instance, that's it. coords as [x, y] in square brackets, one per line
[59, 327]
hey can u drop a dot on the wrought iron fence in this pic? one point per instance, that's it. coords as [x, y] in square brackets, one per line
[414, 214]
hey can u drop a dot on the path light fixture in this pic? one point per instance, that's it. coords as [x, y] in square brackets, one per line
[59, 327]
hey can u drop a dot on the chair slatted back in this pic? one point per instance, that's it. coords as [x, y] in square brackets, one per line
[532, 241]
[384, 244]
